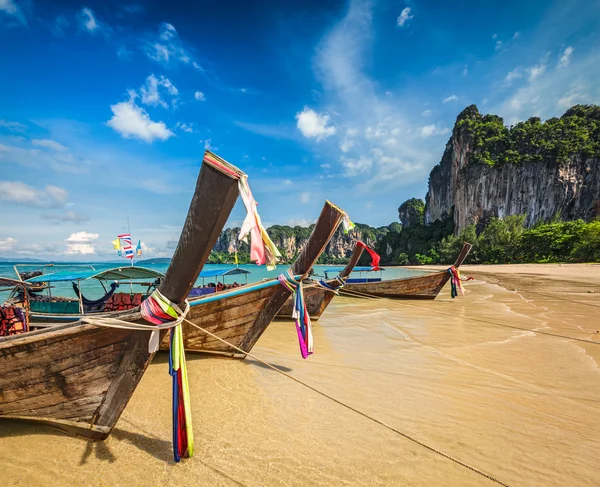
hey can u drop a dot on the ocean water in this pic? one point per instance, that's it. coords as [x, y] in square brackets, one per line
[93, 290]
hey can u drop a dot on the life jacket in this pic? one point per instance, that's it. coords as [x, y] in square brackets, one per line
[12, 321]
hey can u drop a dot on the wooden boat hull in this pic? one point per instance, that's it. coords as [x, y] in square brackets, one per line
[420, 287]
[78, 378]
[317, 299]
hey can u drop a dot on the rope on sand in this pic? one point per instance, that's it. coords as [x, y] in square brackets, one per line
[400, 302]
[357, 411]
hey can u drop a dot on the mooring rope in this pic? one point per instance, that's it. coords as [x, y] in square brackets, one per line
[400, 302]
[355, 410]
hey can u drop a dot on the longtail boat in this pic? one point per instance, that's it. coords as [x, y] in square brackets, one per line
[318, 296]
[420, 287]
[241, 315]
[79, 377]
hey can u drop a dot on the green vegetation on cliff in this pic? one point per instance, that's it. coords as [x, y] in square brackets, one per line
[554, 141]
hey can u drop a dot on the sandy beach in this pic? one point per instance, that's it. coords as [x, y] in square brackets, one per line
[472, 377]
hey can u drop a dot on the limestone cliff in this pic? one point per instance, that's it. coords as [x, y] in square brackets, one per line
[542, 170]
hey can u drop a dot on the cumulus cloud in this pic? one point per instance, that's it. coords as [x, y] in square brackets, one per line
[404, 17]
[199, 96]
[313, 124]
[80, 243]
[87, 19]
[133, 122]
[450, 99]
[79, 237]
[19, 193]
[67, 217]
[150, 92]
[566, 57]
[7, 244]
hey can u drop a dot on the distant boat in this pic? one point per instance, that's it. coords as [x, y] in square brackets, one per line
[79, 377]
[420, 287]
[318, 297]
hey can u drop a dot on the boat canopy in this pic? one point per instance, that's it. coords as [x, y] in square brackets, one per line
[337, 270]
[116, 274]
[227, 271]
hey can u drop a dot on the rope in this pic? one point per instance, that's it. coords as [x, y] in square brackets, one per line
[557, 335]
[165, 314]
[299, 312]
[355, 410]
[341, 282]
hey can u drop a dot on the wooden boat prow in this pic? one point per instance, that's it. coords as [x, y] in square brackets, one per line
[317, 298]
[420, 287]
[240, 316]
[79, 377]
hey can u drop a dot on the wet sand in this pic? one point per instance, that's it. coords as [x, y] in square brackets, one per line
[520, 405]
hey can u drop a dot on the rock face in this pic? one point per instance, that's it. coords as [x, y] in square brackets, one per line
[473, 192]
[291, 240]
[410, 212]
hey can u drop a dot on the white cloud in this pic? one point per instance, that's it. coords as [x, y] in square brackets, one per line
[515, 36]
[566, 57]
[346, 145]
[49, 144]
[87, 19]
[12, 126]
[168, 48]
[19, 193]
[326, 166]
[429, 130]
[150, 93]
[80, 237]
[80, 249]
[498, 45]
[185, 127]
[513, 75]
[404, 17]
[67, 217]
[534, 72]
[7, 244]
[9, 7]
[207, 145]
[132, 121]
[450, 98]
[304, 197]
[465, 71]
[199, 96]
[313, 124]
[427, 113]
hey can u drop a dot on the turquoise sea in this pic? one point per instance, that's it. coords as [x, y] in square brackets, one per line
[93, 290]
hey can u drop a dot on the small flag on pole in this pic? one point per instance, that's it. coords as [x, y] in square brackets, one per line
[126, 238]
[128, 251]
[138, 249]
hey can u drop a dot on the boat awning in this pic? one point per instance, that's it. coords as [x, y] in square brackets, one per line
[8, 282]
[356, 269]
[227, 271]
[116, 274]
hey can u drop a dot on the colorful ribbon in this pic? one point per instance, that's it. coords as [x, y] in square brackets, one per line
[157, 309]
[341, 283]
[375, 258]
[299, 312]
[262, 248]
[455, 282]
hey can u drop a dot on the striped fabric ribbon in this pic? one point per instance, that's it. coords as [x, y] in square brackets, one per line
[157, 309]
[299, 313]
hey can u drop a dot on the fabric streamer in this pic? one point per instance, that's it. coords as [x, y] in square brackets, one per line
[347, 223]
[341, 283]
[375, 258]
[299, 313]
[262, 248]
[455, 282]
[157, 309]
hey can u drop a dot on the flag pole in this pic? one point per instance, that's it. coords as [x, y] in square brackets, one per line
[129, 231]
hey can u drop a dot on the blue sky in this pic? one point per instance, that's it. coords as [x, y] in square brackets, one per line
[106, 107]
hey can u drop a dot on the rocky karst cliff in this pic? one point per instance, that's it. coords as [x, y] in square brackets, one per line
[540, 170]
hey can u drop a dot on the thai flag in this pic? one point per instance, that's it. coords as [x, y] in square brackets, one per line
[128, 251]
[126, 238]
